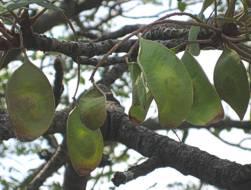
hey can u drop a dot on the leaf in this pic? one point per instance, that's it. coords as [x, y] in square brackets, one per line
[11, 6]
[193, 48]
[231, 82]
[182, 6]
[92, 106]
[30, 102]
[168, 81]
[141, 96]
[207, 106]
[85, 146]
[2, 8]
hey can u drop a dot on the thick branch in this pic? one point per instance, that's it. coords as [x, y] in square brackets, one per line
[88, 49]
[113, 60]
[34, 41]
[59, 124]
[74, 49]
[186, 159]
[72, 180]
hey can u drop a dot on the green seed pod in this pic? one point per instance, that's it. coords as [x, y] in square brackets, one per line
[30, 102]
[85, 146]
[92, 106]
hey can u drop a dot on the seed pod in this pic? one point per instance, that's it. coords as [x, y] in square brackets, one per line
[92, 106]
[231, 81]
[206, 106]
[141, 96]
[168, 81]
[30, 102]
[85, 146]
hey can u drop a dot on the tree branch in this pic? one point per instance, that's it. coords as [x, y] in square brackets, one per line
[184, 158]
[119, 33]
[153, 124]
[113, 74]
[137, 171]
[59, 124]
[56, 161]
[34, 41]
[113, 60]
[72, 180]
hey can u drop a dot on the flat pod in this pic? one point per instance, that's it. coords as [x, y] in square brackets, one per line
[168, 81]
[207, 106]
[30, 102]
[231, 81]
[85, 146]
[141, 96]
[92, 106]
[194, 48]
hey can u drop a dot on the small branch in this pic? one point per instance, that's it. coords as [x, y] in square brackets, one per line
[137, 171]
[113, 74]
[94, 61]
[56, 161]
[148, 27]
[119, 33]
[153, 124]
[238, 145]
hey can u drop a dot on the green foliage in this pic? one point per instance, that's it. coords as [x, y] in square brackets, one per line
[231, 82]
[194, 47]
[169, 84]
[85, 146]
[207, 106]
[182, 6]
[168, 81]
[92, 106]
[141, 96]
[30, 101]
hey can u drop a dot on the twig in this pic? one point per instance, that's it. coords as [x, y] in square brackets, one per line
[144, 28]
[137, 171]
[238, 145]
[56, 161]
